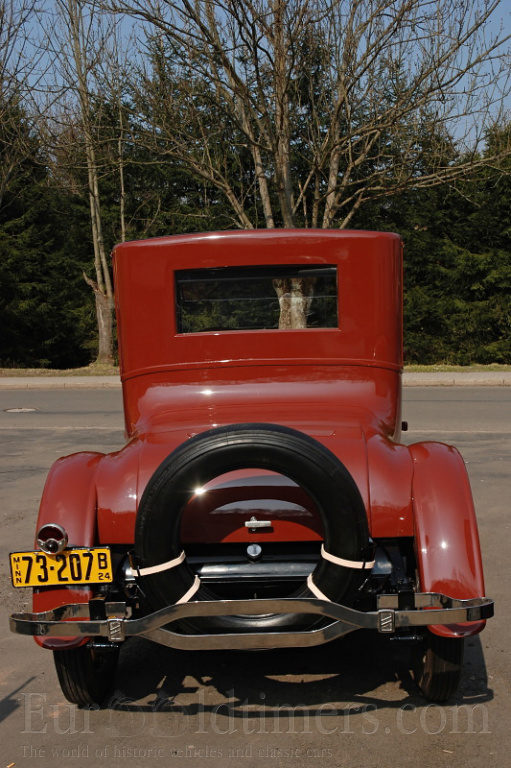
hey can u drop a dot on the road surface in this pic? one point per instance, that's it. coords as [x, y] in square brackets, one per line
[342, 705]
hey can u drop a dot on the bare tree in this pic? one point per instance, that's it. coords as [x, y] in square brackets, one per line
[333, 102]
[82, 43]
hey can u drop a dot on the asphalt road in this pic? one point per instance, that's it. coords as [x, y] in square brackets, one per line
[346, 704]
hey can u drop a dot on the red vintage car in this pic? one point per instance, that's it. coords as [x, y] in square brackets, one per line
[263, 498]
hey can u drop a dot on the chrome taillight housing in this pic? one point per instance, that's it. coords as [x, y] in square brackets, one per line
[52, 538]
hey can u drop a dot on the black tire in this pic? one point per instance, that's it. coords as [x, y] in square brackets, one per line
[263, 446]
[438, 666]
[86, 676]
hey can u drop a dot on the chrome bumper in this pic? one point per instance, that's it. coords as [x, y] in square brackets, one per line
[116, 626]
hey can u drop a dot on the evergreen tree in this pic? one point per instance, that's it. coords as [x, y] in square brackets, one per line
[43, 307]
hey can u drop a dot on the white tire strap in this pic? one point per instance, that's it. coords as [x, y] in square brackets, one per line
[172, 564]
[337, 561]
[360, 564]
[315, 591]
[193, 589]
[162, 566]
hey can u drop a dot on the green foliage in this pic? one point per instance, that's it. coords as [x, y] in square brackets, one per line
[44, 302]
[457, 244]
[457, 266]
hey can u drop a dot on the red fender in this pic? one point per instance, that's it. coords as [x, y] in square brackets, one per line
[69, 499]
[446, 536]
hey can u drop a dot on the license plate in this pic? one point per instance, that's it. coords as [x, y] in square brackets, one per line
[73, 566]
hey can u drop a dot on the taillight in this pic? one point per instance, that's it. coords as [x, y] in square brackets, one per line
[52, 538]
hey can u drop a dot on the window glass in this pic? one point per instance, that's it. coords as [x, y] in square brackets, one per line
[256, 298]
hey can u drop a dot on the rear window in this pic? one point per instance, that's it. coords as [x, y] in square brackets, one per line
[256, 298]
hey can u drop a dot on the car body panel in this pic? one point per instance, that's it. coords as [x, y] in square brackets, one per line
[446, 535]
[369, 335]
[69, 499]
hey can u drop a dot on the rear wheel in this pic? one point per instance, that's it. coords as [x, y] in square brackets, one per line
[438, 666]
[86, 675]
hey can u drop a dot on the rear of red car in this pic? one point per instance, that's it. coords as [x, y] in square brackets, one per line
[263, 498]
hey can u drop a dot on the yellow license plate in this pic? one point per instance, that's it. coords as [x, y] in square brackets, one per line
[73, 566]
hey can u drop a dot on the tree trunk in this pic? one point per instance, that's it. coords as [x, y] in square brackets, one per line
[102, 287]
[104, 315]
[295, 296]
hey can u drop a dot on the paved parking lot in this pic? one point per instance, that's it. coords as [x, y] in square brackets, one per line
[347, 704]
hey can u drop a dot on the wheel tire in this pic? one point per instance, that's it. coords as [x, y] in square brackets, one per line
[438, 666]
[86, 676]
[263, 446]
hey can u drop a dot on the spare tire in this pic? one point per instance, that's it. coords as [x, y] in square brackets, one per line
[165, 576]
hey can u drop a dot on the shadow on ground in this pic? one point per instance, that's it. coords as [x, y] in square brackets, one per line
[348, 670]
